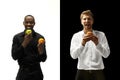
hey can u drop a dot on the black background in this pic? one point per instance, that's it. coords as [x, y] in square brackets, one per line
[106, 16]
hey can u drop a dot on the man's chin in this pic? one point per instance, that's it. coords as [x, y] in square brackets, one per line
[29, 27]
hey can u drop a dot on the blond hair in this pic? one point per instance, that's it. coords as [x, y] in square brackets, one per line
[86, 12]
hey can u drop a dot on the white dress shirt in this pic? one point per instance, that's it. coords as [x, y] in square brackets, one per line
[89, 56]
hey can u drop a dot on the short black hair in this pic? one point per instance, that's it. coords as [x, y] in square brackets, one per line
[30, 16]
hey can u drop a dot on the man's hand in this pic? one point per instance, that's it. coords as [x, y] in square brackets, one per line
[94, 39]
[85, 39]
[27, 39]
[40, 47]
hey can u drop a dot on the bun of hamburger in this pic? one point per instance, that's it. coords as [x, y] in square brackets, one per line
[89, 33]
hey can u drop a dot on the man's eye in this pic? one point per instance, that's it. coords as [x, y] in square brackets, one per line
[29, 22]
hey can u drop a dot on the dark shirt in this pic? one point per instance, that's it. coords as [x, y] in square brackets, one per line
[28, 58]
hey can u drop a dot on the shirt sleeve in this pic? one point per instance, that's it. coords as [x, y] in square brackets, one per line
[17, 49]
[39, 57]
[103, 46]
[76, 47]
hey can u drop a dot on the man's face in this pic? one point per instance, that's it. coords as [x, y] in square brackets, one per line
[87, 21]
[29, 22]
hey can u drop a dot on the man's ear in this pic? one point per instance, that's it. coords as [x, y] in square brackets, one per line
[34, 23]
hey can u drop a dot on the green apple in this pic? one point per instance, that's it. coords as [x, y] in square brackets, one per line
[28, 31]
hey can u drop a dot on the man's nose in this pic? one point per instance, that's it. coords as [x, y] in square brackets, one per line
[86, 20]
[28, 24]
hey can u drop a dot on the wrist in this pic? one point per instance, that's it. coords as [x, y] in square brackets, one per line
[83, 43]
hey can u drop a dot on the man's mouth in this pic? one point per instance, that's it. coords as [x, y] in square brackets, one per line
[28, 27]
[87, 24]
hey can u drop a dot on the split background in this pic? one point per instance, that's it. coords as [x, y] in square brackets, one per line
[57, 21]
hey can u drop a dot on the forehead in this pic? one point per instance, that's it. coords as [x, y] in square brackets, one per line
[86, 16]
[29, 18]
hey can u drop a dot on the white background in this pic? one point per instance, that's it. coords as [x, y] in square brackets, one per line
[46, 13]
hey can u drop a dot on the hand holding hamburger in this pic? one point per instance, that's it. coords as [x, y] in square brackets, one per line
[88, 36]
